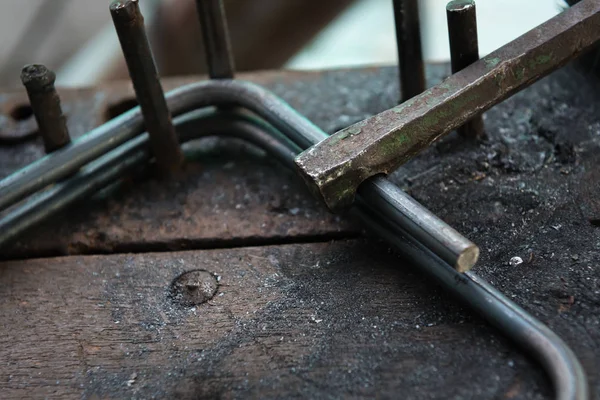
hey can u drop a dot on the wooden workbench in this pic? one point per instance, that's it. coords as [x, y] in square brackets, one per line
[305, 305]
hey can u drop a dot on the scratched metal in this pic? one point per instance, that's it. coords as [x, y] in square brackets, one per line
[335, 168]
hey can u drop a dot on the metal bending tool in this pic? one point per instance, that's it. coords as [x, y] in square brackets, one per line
[336, 167]
[105, 154]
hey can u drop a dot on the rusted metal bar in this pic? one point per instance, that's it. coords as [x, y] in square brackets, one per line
[335, 168]
[464, 51]
[216, 38]
[45, 103]
[410, 57]
[129, 23]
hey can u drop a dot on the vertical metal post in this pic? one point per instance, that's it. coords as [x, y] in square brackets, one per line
[216, 39]
[464, 51]
[45, 103]
[410, 56]
[129, 24]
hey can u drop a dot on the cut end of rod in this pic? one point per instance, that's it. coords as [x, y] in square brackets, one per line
[37, 77]
[467, 259]
[460, 5]
[125, 10]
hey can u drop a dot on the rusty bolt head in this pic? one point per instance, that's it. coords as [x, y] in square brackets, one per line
[126, 10]
[460, 5]
[37, 77]
[194, 287]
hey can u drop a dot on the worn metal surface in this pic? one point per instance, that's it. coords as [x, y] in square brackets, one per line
[129, 24]
[411, 66]
[45, 104]
[215, 35]
[464, 51]
[335, 168]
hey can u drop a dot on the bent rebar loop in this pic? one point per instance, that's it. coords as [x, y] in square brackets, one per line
[280, 121]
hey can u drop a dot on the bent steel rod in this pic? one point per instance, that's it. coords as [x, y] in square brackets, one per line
[113, 165]
[454, 248]
[561, 364]
[559, 361]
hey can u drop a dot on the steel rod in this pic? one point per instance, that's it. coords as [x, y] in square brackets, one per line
[426, 227]
[464, 51]
[129, 24]
[378, 145]
[215, 35]
[45, 103]
[411, 67]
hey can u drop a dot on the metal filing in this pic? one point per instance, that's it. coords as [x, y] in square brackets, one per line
[345, 169]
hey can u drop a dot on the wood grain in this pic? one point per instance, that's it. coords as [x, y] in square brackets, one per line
[308, 320]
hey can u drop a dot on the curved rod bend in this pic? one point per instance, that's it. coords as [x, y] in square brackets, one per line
[66, 161]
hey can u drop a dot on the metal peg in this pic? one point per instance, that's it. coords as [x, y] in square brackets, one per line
[129, 24]
[216, 38]
[464, 51]
[410, 57]
[45, 103]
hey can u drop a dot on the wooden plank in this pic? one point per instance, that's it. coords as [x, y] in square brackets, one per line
[313, 320]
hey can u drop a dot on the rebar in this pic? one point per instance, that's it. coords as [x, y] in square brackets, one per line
[223, 93]
[411, 67]
[215, 35]
[45, 103]
[129, 24]
[464, 51]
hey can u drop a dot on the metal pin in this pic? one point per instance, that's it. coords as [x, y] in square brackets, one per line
[464, 51]
[410, 57]
[216, 39]
[45, 103]
[129, 24]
